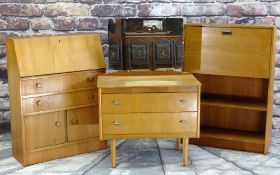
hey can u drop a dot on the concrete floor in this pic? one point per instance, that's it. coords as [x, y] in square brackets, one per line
[150, 157]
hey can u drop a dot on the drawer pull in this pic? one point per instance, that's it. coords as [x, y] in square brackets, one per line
[183, 100]
[90, 79]
[74, 121]
[183, 121]
[39, 85]
[116, 122]
[227, 32]
[57, 124]
[91, 96]
[116, 102]
[39, 102]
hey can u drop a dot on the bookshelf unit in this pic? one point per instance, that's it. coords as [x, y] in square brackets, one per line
[235, 64]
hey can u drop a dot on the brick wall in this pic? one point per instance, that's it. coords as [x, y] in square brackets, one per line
[30, 17]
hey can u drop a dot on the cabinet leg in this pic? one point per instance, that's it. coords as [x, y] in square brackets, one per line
[178, 143]
[113, 153]
[185, 151]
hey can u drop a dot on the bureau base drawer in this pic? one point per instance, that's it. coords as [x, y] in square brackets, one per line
[149, 123]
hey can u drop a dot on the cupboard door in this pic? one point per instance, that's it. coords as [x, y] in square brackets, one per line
[138, 54]
[45, 130]
[178, 53]
[82, 123]
[115, 54]
[163, 53]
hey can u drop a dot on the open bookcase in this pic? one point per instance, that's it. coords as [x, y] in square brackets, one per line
[235, 65]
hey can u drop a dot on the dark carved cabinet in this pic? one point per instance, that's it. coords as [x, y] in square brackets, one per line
[145, 43]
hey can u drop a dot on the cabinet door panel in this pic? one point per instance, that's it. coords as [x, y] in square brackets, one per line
[45, 130]
[115, 54]
[178, 53]
[138, 54]
[82, 123]
[163, 54]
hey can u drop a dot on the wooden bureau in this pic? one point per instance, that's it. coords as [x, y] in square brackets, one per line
[53, 95]
[135, 105]
[235, 64]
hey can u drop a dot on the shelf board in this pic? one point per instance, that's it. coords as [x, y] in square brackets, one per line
[233, 103]
[232, 135]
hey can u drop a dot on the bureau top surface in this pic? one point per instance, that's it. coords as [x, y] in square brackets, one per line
[146, 79]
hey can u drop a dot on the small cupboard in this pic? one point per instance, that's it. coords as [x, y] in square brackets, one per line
[53, 95]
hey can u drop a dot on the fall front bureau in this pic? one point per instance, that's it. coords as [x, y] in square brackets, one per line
[53, 96]
[135, 105]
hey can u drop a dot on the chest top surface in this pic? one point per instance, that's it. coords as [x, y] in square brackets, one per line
[146, 79]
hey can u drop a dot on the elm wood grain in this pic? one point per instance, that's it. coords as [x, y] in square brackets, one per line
[128, 103]
[52, 102]
[237, 78]
[45, 130]
[148, 120]
[185, 151]
[86, 51]
[59, 83]
[113, 153]
[82, 123]
[39, 133]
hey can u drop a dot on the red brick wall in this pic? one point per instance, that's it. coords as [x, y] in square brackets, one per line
[29, 17]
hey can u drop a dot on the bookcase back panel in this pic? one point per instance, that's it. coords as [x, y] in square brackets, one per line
[232, 118]
[229, 51]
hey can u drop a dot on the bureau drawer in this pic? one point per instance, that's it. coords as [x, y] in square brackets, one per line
[149, 123]
[149, 102]
[59, 101]
[60, 82]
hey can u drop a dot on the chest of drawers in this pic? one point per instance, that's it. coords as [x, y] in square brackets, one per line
[135, 105]
[53, 95]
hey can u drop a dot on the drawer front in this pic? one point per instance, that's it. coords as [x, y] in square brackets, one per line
[82, 123]
[52, 102]
[149, 102]
[236, 51]
[149, 123]
[63, 82]
[45, 130]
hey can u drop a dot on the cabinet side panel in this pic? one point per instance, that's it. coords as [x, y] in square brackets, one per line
[15, 103]
[268, 126]
[192, 53]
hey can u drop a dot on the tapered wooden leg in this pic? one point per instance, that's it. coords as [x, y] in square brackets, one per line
[178, 143]
[185, 151]
[113, 153]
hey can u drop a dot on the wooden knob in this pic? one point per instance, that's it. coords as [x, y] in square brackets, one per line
[74, 121]
[90, 79]
[39, 85]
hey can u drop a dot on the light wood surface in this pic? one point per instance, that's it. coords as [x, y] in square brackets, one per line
[235, 64]
[82, 123]
[139, 123]
[45, 130]
[126, 103]
[69, 53]
[50, 79]
[113, 153]
[59, 83]
[185, 151]
[134, 105]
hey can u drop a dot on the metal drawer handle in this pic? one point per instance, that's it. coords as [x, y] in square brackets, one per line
[116, 102]
[57, 124]
[74, 121]
[116, 122]
[183, 100]
[39, 102]
[183, 121]
[227, 32]
[39, 85]
[90, 79]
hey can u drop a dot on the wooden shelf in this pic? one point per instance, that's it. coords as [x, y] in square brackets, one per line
[234, 103]
[232, 135]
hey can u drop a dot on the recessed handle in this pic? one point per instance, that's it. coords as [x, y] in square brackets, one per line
[183, 100]
[183, 121]
[57, 124]
[39, 85]
[116, 102]
[227, 32]
[90, 79]
[74, 121]
[39, 102]
[116, 123]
